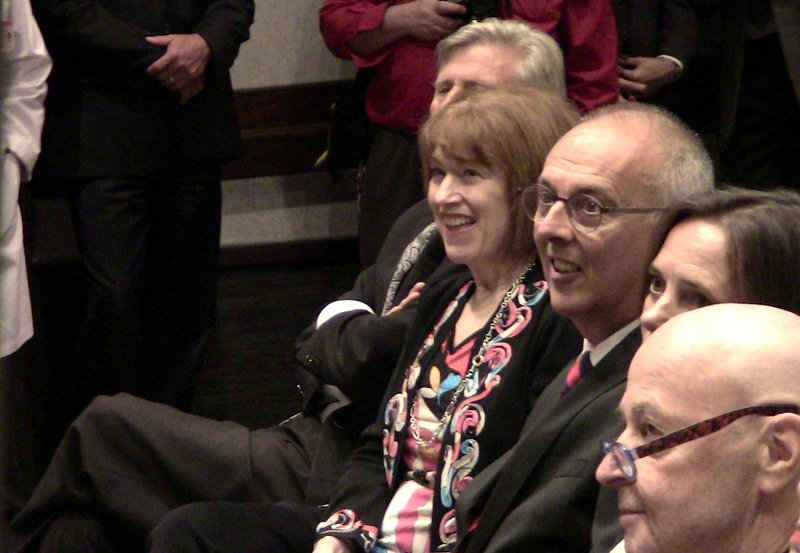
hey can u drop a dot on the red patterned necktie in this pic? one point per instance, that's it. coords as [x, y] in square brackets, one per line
[579, 368]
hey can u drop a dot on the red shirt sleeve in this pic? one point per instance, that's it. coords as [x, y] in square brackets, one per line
[399, 94]
[587, 33]
[340, 21]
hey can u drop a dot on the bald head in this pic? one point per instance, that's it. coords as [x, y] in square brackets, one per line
[677, 162]
[751, 350]
[710, 413]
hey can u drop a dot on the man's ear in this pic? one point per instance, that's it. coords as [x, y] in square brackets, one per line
[782, 465]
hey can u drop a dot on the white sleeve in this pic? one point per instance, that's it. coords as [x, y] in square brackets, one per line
[25, 67]
[619, 548]
[341, 306]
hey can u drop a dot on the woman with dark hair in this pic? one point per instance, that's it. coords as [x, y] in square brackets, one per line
[730, 245]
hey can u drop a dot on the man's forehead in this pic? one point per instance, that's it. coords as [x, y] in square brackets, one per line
[483, 63]
[681, 371]
[653, 388]
[607, 138]
[592, 158]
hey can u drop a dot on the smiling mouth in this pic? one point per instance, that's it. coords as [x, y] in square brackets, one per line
[564, 267]
[457, 221]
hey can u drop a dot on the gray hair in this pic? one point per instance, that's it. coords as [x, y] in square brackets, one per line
[542, 63]
[685, 167]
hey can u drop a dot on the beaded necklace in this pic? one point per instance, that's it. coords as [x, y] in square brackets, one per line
[477, 361]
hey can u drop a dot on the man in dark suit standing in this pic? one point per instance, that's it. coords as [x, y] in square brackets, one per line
[598, 209]
[139, 118]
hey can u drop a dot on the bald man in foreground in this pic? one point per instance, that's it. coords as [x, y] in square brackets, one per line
[710, 456]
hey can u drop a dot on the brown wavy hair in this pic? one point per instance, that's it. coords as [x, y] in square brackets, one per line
[508, 129]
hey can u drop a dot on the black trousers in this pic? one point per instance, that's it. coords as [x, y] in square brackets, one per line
[222, 527]
[390, 183]
[150, 249]
[19, 413]
[126, 462]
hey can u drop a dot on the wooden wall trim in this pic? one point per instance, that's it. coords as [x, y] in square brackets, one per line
[318, 250]
[284, 128]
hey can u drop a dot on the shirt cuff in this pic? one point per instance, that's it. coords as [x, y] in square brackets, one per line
[674, 60]
[341, 306]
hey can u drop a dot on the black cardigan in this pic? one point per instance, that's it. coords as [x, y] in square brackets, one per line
[542, 349]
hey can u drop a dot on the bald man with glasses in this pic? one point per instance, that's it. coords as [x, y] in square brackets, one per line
[709, 459]
[596, 207]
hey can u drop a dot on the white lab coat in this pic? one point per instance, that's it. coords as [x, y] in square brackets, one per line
[24, 67]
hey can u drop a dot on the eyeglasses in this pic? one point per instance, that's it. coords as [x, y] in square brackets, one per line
[585, 211]
[625, 458]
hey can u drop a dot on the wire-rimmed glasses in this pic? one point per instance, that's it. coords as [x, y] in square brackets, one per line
[584, 210]
[626, 458]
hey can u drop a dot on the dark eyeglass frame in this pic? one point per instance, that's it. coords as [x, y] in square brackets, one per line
[625, 458]
[535, 209]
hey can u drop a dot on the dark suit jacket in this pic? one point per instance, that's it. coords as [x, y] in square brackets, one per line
[732, 20]
[653, 27]
[354, 344]
[542, 495]
[105, 116]
[787, 21]
[343, 367]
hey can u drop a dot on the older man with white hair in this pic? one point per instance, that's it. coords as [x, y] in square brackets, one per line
[710, 456]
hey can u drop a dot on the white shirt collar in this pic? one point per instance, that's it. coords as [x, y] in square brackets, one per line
[596, 353]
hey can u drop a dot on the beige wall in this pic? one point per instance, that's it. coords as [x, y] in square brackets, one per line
[285, 48]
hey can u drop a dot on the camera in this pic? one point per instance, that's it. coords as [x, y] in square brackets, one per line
[478, 10]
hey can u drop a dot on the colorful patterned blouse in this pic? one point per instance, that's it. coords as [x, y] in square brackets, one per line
[414, 511]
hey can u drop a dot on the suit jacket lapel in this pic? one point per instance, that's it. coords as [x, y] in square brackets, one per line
[549, 416]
